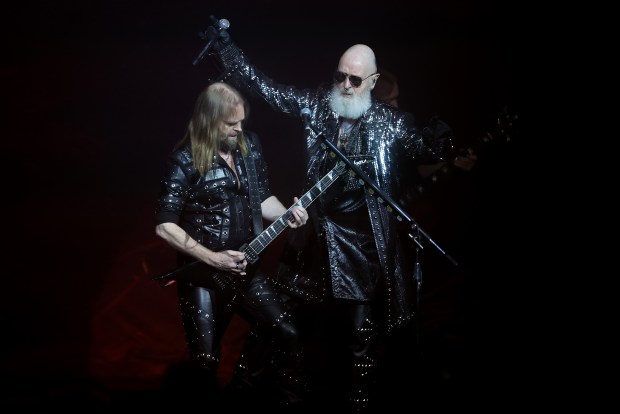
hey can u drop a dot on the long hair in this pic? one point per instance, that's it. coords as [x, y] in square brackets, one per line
[215, 103]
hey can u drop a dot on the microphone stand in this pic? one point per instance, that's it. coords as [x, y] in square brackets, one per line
[415, 229]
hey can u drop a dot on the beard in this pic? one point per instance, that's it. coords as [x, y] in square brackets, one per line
[229, 144]
[352, 106]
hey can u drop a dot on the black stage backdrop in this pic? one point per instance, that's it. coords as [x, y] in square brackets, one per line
[97, 93]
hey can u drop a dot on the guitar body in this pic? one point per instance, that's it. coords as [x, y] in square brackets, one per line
[201, 274]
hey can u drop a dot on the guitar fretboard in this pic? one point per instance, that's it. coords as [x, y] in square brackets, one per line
[253, 249]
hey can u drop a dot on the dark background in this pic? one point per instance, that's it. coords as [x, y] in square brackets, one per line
[97, 93]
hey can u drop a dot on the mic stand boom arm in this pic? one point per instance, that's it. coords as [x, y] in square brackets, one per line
[383, 198]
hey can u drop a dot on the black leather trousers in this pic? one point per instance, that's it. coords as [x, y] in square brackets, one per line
[364, 347]
[273, 339]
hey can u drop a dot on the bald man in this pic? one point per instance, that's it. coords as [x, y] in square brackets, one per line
[355, 260]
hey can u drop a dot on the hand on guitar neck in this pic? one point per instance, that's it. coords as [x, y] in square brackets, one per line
[466, 161]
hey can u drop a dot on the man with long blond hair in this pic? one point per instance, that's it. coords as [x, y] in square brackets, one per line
[214, 195]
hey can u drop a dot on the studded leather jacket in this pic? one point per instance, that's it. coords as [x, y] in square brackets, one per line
[214, 209]
[387, 146]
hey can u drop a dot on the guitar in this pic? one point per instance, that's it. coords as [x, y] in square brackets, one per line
[200, 272]
[503, 131]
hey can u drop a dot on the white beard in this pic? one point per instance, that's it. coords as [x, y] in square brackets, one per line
[351, 107]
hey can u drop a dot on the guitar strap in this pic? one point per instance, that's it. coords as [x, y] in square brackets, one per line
[257, 217]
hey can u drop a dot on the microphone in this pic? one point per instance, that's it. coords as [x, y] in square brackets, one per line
[305, 117]
[220, 25]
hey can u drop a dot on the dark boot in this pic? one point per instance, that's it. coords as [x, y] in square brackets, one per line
[292, 384]
[255, 365]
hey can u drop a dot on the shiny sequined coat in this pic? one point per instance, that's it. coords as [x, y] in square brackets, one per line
[387, 147]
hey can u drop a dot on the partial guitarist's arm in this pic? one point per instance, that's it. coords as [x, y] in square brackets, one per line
[176, 237]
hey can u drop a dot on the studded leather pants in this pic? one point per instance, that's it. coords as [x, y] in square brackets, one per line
[206, 313]
[363, 344]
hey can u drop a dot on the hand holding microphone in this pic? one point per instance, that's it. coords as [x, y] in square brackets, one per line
[216, 34]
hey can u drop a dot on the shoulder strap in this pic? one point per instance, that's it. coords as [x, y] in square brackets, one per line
[257, 216]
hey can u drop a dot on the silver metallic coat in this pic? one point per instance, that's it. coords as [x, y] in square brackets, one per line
[389, 146]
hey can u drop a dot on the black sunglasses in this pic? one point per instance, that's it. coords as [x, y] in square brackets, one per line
[356, 81]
